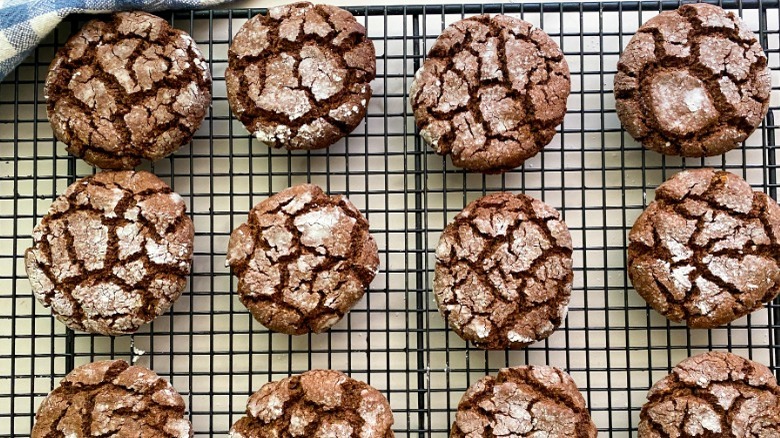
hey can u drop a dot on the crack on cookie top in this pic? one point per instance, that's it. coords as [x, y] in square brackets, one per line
[692, 82]
[706, 250]
[504, 271]
[112, 253]
[299, 76]
[112, 398]
[523, 401]
[713, 394]
[126, 89]
[303, 259]
[491, 92]
[316, 403]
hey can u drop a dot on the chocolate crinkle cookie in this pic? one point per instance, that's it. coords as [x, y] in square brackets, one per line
[524, 401]
[317, 403]
[112, 399]
[490, 93]
[112, 253]
[706, 250]
[504, 271]
[126, 88]
[299, 76]
[302, 260]
[692, 82]
[716, 395]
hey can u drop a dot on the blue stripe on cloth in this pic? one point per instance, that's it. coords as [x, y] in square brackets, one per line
[21, 36]
[13, 15]
[10, 64]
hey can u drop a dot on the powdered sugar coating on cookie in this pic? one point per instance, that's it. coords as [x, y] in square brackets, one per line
[319, 403]
[692, 82]
[714, 394]
[303, 259]
[504, 271]
[706, 250]
[532, 401]
[112, 253]
[112, 398]
[299, 76]
[490, 93]
[127, 88]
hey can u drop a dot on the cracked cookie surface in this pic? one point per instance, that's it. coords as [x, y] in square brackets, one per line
[112, 253]
[299, 76]
[317, 403]
[706, 250]
[490, 93]
[692, 82]
[503, 271]
[715, 394]
[127, 88]
[524, 401]
[302, 260]
[112, 398]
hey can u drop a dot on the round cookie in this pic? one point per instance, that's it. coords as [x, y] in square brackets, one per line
[706, 250]
[317, 403]
[715, 394]
[299, 76]
[302, 260]
[112, 253]
[126, 88]
[504, 271]
[533, 401]
[490, 93]
[112, 398]
[692, 82]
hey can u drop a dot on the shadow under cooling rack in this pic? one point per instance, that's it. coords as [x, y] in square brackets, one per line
[216, 355]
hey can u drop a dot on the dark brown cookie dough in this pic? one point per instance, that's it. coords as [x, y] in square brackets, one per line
[299, 77]
[491, 92]
[715, 395]
[112, 398]
[504, 271]
[112, 253]
[127, 88]
[525, 401]
[317, 403]
[302, 260]
[692, 82]
[706, 250]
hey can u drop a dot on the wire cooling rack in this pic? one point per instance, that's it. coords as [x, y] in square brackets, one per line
[216, 355]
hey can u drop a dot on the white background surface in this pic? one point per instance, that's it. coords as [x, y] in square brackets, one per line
[216, 355]
[270, 3]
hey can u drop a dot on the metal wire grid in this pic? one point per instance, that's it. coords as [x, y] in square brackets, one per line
[216, 355]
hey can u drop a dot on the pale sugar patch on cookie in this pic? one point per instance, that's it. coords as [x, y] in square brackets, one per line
[670, 106]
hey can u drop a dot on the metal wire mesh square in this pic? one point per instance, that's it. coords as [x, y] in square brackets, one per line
[217, 355]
